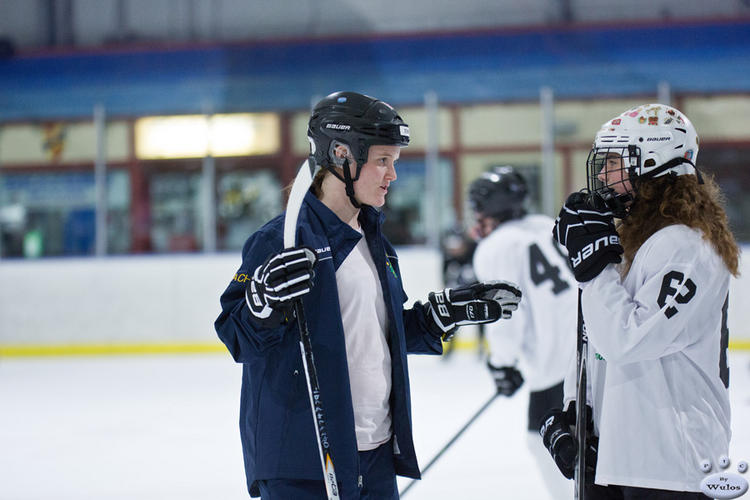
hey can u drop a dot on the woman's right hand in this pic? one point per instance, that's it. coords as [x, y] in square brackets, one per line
[277, 283]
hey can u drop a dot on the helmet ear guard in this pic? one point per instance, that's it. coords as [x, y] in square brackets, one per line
[338, 152]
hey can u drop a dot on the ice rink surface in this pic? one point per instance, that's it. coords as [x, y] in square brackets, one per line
[165, 427]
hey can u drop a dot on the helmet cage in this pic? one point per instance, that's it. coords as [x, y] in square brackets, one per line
[624, 177]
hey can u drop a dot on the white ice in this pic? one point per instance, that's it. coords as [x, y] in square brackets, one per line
[166, 427]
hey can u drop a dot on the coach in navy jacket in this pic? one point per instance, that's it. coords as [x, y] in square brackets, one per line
[347, 276]
[278, 434]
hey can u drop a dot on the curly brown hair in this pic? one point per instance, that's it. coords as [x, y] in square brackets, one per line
[669, 200]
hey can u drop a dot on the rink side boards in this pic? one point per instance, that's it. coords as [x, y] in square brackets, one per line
[141, 305]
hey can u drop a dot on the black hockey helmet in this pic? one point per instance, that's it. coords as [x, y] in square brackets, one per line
[499, 193]
[357, 121]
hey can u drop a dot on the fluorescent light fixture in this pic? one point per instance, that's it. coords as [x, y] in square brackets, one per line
[196, 136]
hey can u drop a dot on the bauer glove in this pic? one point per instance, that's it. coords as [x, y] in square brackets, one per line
[585, 226]
[507, 379]
[558, 436]
[276, 284]
[470, 305]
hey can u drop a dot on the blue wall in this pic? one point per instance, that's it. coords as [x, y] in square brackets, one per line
[461, 68]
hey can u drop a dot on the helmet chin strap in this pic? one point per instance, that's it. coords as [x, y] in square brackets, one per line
[619, 204]
[668, 165]
[349, 183]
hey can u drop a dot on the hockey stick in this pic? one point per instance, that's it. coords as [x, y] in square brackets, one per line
[581, 420]
[453, 440]
[301, 185]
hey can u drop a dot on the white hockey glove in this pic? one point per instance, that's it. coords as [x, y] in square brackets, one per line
[277, 283]
[470, 305]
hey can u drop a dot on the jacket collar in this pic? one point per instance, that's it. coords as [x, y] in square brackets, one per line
[371, 220]
[340, 235]
[334, 227]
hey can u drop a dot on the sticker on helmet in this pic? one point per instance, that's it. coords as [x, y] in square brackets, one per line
[403, 130]
[616, 121]
[653, 120]
[642, 119]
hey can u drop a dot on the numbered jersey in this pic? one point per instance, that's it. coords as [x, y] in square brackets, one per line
[657, 367]
[542, 332]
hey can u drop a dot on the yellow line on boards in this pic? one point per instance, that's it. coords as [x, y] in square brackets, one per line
[468, 344]
[33, 350]
[739, 345]
[42, 350]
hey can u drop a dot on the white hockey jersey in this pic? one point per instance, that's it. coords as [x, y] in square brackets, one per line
[542, 332]
[657, 363]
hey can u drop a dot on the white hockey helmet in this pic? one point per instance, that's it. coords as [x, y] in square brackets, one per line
[652, 140]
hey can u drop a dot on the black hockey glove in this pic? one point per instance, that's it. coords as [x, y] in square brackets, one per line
[507, 379]
[558, 436]
[585, 226]
[284, 277]
[470, 305]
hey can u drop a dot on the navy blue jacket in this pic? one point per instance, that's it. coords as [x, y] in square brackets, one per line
[276, 424]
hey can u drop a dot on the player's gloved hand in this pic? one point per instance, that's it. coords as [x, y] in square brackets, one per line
[507, 378]
[282, 278]
[558, 436]
[470, 305]
[585, 226]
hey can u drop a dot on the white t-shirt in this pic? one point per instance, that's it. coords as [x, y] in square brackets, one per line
[654, 364]
[365, 321]
[542, 332]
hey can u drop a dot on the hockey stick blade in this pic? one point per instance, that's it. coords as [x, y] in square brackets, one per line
[301, 185]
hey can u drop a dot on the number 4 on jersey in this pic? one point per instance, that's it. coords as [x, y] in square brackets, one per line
[541, 270]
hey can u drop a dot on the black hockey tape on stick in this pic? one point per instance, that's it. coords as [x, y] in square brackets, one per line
[452, 440]
[302, 183]
[583, 349]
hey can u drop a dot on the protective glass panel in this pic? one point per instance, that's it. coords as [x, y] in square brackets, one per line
[175, 211]
[409, 205]
[54, 214]
[245, 201]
